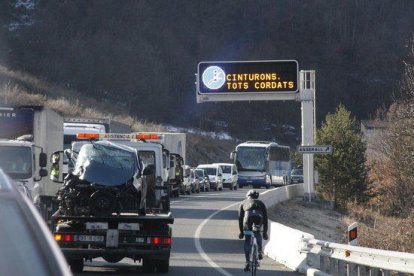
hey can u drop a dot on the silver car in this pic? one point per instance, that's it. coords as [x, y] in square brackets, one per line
[27, 246]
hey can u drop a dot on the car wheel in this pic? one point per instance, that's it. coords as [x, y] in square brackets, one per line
[162, 266]
[76, 265]
[235, 187]
[148, 266]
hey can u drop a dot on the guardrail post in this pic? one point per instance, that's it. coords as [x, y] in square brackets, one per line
[386, 273]
[342, 268]
[352, 269]
[325, 263]
[363, 270]
[333, 266]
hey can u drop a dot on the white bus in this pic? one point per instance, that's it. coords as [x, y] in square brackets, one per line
[261, 163]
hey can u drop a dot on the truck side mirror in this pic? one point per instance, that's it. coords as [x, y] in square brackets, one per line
[42, 173]
[232, 155]
[42, 160]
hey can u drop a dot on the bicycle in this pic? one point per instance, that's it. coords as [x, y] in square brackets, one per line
[254, 248]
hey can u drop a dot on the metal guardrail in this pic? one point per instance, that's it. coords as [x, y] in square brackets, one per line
[341, 259]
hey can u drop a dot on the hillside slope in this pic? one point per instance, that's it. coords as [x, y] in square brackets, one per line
[200, 149]
[142, 55]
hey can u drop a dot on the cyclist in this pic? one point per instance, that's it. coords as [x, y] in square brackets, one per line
[252, 210]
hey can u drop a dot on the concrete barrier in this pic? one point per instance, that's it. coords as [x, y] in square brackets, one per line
[285, 243]
[275, 196]
[285, 246]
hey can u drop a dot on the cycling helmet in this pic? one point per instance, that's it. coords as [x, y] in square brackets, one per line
[252, 194]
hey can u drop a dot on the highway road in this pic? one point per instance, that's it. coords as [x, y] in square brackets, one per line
[205, 240]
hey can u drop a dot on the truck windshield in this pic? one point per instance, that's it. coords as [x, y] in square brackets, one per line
[251, 159]
[105, 165]
[226, 169]
[210, 171]
[199, 173]
[16, 161]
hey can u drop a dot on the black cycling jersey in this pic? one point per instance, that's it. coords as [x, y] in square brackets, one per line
[246, 208]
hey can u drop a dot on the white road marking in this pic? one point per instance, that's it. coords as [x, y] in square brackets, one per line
[200, 248]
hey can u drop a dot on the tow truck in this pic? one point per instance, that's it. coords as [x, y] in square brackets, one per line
[102, 204]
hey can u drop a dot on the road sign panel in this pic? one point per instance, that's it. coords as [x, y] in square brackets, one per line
[241, 77]
[319, 149]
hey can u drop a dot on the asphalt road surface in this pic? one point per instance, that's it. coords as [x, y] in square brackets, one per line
[205, 240]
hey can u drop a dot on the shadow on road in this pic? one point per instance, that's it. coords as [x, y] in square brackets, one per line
[224, 246]
[182, 213]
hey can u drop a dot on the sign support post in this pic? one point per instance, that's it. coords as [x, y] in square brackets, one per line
[307, 98]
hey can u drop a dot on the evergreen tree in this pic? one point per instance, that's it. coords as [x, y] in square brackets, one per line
[343, 176]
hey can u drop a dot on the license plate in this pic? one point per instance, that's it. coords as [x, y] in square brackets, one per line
[90, 238]
[96, 225]
[128, 226]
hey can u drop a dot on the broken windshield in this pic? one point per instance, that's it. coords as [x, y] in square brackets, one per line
[105, 165]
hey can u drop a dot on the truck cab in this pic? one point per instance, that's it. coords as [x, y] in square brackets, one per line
[31, 133]
[25, 164]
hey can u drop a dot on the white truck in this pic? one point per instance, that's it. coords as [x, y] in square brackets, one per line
[73, 126]
[27, 135]
[174, 145]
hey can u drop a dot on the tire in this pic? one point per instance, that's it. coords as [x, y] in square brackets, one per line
[216, 188]
[113, 259]
[267, 186]
[162, 266]
[165, 204]
[235, 187]
[148, 266]
[253, 267]
[76, 265]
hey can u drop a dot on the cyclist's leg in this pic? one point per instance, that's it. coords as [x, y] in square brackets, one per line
[247, 245]
[259, 241]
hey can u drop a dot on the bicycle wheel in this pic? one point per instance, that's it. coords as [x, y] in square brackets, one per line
[254, 259]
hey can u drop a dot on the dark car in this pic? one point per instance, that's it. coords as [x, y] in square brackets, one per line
[27, 246]
[296, 176]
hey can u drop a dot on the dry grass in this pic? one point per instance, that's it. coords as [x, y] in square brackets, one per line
[382, 232]
[16, 95]
[29, 90]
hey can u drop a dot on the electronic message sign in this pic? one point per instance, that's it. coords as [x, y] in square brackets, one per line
[247, 77]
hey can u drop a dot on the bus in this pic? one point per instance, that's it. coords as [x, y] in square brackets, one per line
[262, 163]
